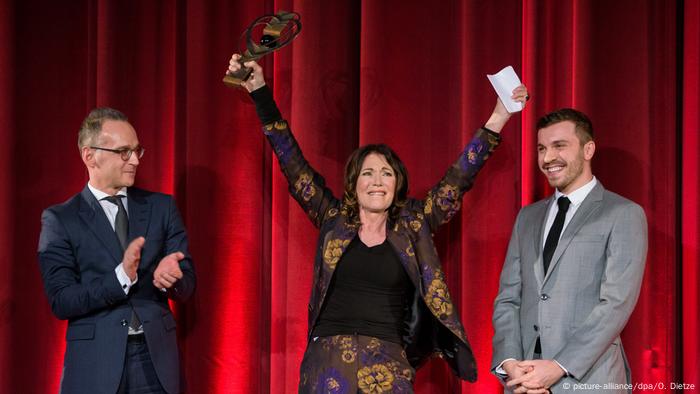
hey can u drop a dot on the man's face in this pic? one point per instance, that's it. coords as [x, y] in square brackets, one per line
[561, 157]
[108, 171]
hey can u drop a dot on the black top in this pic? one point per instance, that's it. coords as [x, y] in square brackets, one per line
[368, 294]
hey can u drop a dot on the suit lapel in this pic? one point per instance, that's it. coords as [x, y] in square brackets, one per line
[139, 214]
[589, 205]
[404, 249]
[336, 242]
[538, 232]
[93, 215]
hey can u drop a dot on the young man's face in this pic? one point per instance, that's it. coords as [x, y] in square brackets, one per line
[562, 158]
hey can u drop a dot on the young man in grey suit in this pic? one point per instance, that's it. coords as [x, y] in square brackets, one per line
[111, 258]
[572, 274]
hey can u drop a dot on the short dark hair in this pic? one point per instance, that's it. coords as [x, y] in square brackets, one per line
[352, 171]
[92, 124]
[584, 127]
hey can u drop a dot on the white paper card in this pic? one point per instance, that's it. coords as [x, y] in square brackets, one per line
[504, 82]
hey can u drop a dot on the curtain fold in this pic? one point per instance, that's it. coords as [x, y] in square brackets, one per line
[409, 74]
[226, 327]
[690, 186]
[6, 178]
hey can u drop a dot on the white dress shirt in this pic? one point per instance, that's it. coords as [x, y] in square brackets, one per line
[576, 197]
[111, 211]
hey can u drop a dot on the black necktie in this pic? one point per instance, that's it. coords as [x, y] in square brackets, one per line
[121, 222]
[121, 228]
[553, 237]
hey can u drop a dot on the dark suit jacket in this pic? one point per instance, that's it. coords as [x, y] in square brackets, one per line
[434, 326]
[78, 252]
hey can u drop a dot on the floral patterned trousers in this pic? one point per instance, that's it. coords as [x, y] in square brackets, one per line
[349, 364]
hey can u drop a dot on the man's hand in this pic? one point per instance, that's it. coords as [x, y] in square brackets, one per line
[132, 257]
[256, 79]
[541, 375]
[168, 271]
[500, 115]
[513, 369]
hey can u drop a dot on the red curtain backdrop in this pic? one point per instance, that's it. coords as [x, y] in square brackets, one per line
[408, 73]
[690, 185]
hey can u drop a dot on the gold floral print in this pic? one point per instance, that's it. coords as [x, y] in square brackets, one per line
[348, 356]
[428, 204]
[377, 379]
[304, 186]
[447, 197]
[407, 374]
[415, 225]
[471, 155]
[438, 274]
[345, 342]
[409, 250]
[333, 251]
[438, 298]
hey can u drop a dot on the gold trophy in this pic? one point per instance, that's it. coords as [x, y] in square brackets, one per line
[277, 31]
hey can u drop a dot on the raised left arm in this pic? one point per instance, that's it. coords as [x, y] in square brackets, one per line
[444, 199]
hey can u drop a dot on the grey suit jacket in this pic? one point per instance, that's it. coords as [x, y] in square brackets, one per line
[581, 305]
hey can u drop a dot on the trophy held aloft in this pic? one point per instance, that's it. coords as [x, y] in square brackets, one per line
[265, 34]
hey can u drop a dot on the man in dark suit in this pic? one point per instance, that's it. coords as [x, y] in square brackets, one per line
[111, 257]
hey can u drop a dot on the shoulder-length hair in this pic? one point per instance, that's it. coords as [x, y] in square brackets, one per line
[352, 171]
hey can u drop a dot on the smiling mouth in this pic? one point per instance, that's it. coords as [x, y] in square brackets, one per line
[377, 193]
[554, 169]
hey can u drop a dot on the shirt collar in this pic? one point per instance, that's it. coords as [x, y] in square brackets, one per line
[99, 194]
[577, 196]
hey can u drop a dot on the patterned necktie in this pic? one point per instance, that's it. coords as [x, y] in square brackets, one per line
[121, 228]
[555, 232]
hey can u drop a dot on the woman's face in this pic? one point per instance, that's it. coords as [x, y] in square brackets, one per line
[376, 184]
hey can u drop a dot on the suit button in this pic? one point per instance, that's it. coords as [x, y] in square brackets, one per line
[536, 327]
[544, 297]
[124, 323]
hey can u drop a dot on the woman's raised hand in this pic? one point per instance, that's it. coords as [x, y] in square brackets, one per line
[256, 79]
[500, 115]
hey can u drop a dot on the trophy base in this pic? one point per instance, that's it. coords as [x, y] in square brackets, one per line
[235, 80]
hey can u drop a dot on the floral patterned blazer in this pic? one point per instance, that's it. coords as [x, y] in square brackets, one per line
[434, 327]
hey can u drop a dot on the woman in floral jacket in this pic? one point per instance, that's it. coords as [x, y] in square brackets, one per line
[380, 305]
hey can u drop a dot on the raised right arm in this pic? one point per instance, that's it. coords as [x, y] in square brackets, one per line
[305, 184]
